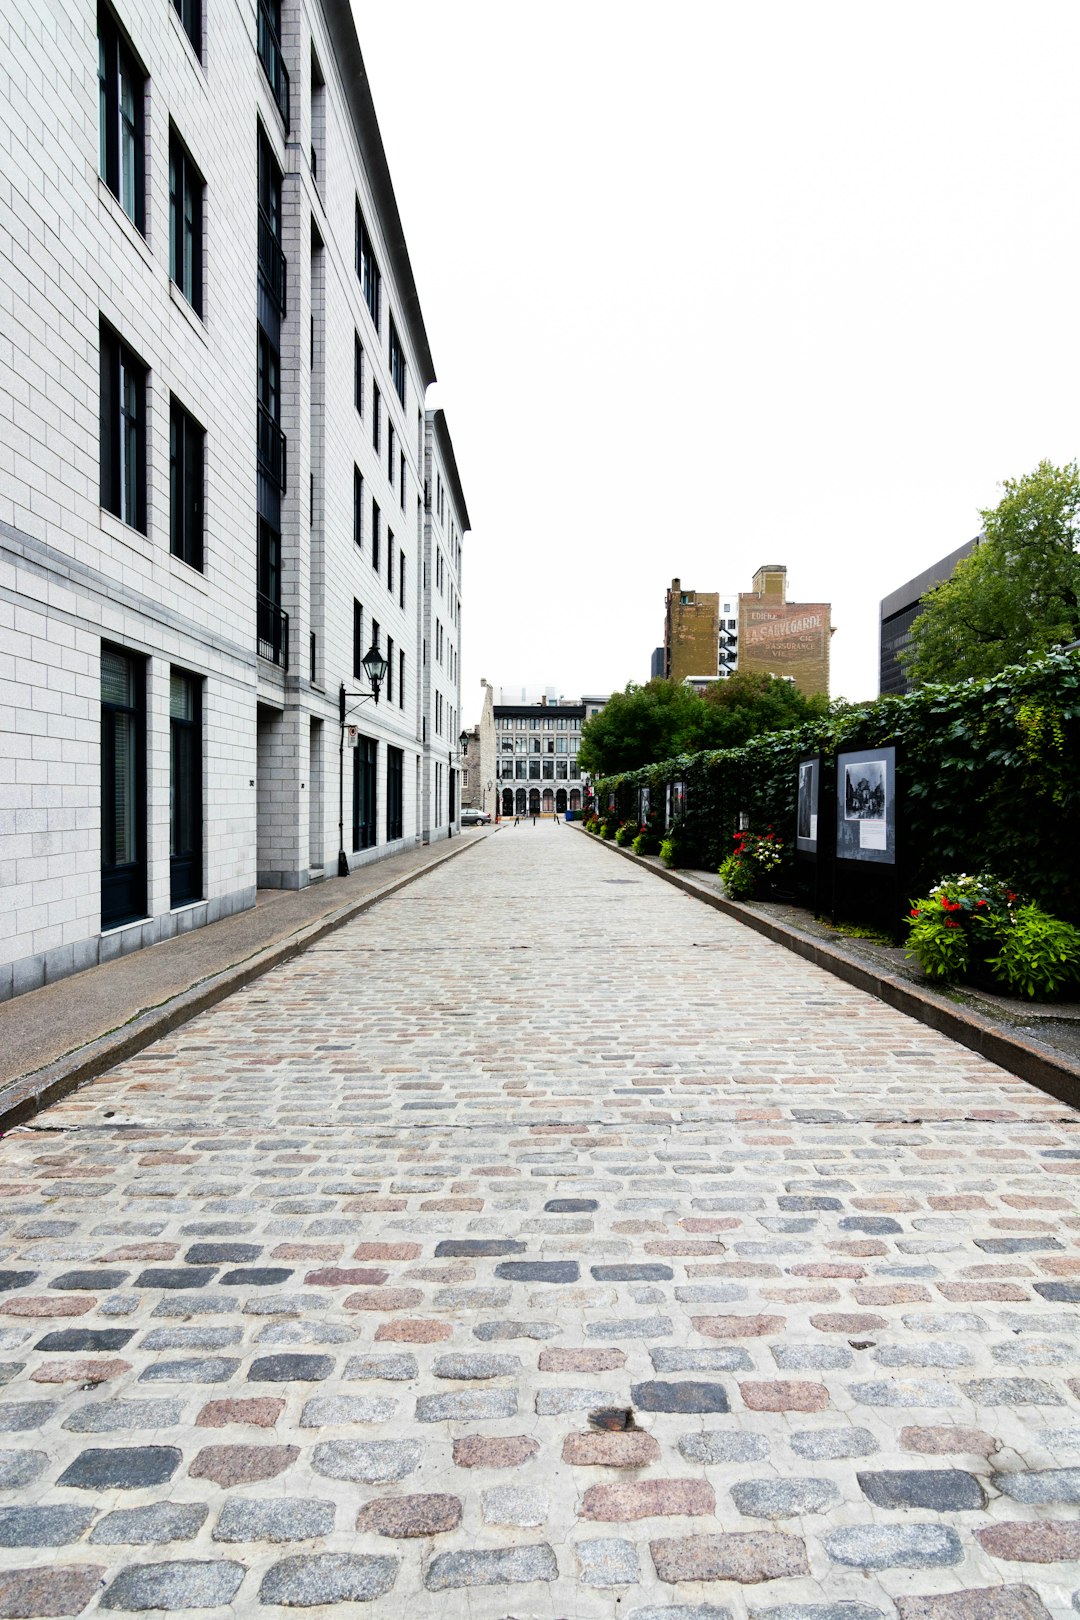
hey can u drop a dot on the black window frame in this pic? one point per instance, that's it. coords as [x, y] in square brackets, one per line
[390, 560]
[185, 794]
[401, 578]
[123, 883]
[187, 472]
[389, 669]
[395, 793]
[402, 495]
[367, 269]
[365, 807]
[190, 14]
[376, 419]
[376, 536]
[358, 375]
[117, 364]
[115, 55]
[358, 508]
[401, 677]
[358, 640]
[273, 265]
[186, 187]
[399, 370]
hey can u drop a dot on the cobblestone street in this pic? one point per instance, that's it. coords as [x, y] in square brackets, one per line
[544, 1243]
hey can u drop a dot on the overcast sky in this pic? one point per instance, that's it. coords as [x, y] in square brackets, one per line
[728, 284]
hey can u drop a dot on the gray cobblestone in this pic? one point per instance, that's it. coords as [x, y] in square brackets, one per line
[185, 1584]
[145, 1526]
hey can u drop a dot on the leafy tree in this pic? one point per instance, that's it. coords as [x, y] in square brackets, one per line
[1017, 595]
[663, 719]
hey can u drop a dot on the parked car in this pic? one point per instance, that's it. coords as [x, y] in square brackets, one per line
[475, 818]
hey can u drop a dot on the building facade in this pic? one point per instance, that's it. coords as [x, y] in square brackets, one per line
[220, 487]
[701, 634]
[897, 614]
[536, 757]
[789, 640]
[479, 783]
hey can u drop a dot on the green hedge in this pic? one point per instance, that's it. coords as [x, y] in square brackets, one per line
[988, 779]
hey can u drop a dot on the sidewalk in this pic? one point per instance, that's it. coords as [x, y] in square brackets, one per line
[1038, 1042]
[54, 1038]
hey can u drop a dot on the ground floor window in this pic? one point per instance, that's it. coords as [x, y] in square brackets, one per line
[575, 798]
[123, 787]
[395, 795]
[185, 788]
[560, 800]
[365, 758]
[508, 802]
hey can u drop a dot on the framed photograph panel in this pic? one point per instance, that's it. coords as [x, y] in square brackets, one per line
[806, 807]
[866, 806]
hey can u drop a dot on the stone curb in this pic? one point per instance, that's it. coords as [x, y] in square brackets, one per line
[25, 1096]
[1051, 1073]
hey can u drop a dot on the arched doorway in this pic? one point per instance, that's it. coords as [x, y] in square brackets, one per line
[549, 802]
[560, 801]
[519, 803]
[575, 799]
[508, 801]
[534, 801]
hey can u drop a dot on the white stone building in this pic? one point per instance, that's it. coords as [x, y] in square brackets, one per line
[214, 454]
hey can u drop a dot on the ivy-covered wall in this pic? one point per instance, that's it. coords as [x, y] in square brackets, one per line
[988, 779]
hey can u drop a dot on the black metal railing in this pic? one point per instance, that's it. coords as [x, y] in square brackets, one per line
[273, 265]
[272, 629]
[271, 449]
[272, 60]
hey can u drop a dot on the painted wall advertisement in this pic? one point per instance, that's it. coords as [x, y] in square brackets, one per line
[866, 805]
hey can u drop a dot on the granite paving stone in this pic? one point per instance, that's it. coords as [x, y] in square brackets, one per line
[460, 1267]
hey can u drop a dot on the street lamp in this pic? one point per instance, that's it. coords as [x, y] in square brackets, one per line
[488, 794]
[374, 666]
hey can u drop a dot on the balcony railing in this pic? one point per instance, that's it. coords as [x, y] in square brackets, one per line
[273, 62]
[272, 263]
[272, 629]
[271, 449]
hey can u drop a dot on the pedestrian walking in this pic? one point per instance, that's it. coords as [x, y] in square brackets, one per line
[534, 818]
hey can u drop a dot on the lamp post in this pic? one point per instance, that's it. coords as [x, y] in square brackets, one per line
[463, 743]
[374, 666]
[486, 795]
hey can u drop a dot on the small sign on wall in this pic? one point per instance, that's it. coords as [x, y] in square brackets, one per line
[866, 805]
[352, 735]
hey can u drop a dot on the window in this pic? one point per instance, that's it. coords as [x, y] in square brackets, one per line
[534, 770]
[271, 440]
[402, 496]
[390, 561]
[186, 187]
[123, 787]
[560, 745]
[438, 713]
[376, 535]
[186, 446]
[397, 362]
[190, 15]
[358, 375]
[390, 465]
[401, 680]
[268, 45]
[185, 788]
[358, 648]
[367, 271]
[401, 579]
[534, 745]
[123, 431]
[272, 262]
[376, 418]
[390, 669]
[121, 140]
[365, 756]
[358, 507]
[395, 792]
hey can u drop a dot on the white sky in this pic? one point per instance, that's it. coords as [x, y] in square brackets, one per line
[721, 284]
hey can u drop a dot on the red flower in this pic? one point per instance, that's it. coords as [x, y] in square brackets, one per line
[914, 912]
[951, 922]
[979, 903]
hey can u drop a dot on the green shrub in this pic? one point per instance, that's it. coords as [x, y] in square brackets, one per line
[738, 877]
[1039, 955]
[626, 832]
[608, 828]
[667, 851]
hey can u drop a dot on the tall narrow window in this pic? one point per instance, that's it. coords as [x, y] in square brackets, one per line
[357, 507]
[391, 466]
[365, 756]
[185, 224]
[185, 788]
[390, 669]
[123, 787]
[121, 137]
[401, 680]
[402, 463]
[401, 579]
[397, 362]
[358, 375]
[395, 797]
[186, 444]
[390, 561]
[376, 535]
[376, 418]
[357, 641]
[272, 263]
[190, 15]
[123, 431]
[367, 271]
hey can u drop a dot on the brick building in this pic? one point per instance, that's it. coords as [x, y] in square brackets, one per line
[701, 634]
[782, 638]
[220, 486]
